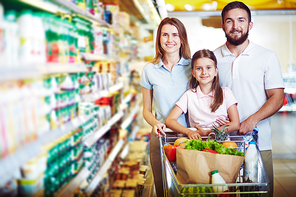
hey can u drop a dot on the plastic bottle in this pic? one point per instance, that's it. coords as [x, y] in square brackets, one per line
[2, 39]
[255, 135]
[217, 179]
[251, 136]
[11, 39]
[26, 32]
[39, 39]
[251, 163]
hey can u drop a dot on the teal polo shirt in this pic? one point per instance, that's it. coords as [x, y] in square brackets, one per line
[167, 86]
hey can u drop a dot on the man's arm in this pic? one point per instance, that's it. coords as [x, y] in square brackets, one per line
[274, 102]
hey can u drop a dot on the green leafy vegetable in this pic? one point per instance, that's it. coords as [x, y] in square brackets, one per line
[214, 145]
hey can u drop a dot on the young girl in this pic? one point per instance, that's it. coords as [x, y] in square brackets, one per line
[206, 102]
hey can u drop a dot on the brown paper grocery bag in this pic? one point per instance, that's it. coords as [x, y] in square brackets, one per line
[196, 166]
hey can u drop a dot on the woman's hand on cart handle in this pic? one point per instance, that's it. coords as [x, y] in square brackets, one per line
[159, 130]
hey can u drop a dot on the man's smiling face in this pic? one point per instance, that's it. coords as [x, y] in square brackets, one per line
[236, 26]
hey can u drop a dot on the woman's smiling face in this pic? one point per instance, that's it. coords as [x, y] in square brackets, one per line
[169, 39]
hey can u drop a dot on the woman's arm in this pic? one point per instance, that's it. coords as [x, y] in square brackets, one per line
[147, 112]
[234, 121]
[173, 124]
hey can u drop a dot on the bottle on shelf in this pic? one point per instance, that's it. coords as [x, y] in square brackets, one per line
[251, 163]
[26, 33]
[217, 179]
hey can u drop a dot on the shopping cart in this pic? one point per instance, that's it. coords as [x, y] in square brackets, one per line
[173, 188]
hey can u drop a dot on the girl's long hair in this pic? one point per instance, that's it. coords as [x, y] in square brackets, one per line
[184, 50]
[216, 87]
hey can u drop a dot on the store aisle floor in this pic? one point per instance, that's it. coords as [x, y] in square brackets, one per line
[283, 127]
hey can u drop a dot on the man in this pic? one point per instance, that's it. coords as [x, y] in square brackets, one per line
[253, 73]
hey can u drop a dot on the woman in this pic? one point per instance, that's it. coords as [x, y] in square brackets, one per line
[163, 81]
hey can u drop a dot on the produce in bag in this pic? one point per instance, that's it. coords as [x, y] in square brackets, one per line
[194, 165]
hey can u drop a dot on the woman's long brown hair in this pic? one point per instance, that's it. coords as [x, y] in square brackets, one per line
[216, 87]
[184, 50]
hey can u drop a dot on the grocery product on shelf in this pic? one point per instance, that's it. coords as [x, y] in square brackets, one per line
[63, 162]
[65, 113]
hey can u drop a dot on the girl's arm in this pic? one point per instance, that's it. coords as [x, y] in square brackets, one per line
[173, 124]
[147, 112]
[234, 121]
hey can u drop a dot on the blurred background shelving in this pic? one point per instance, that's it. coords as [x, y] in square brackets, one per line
[70, 99]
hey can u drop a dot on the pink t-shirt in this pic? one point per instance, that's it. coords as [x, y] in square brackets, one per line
[198, 106]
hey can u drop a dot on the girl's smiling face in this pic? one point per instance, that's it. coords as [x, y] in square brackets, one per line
[204, 71]
[169, 39]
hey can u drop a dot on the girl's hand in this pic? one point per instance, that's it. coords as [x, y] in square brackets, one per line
[222, 121]
[159, 129]
[193, 135]
[202, 131]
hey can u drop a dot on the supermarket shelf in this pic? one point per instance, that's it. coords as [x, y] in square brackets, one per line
[98, 177]
[128, 51]
[70, 188]
[133, 134]
[9, 164]
[288, 108]
[127, 98]
[131, 137]
[290, 90]
[115, 118]
[115, 88]
[12, 162]
[38, 71]
[94, 96]
[47, 6]
[78, 10]
[142, 11]
[92, 138]
[95, 57]
[129, 119]
[18, 73]
[62, 6]
[102, 93]
[125, 29]
[53, 68]
[126, 74]
[64, 129]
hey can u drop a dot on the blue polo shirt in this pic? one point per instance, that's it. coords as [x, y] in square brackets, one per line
[168, 86]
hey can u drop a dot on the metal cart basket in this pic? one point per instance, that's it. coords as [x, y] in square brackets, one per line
[172, 187]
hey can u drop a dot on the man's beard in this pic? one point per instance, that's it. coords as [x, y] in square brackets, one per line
[238, 41]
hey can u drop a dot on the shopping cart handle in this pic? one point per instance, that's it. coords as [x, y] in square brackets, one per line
[192, 129]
